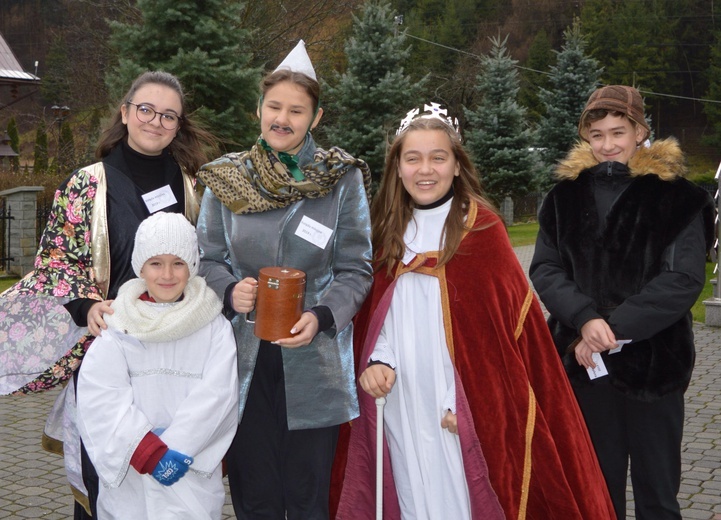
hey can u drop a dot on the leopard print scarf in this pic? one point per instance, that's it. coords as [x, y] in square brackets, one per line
[255, 181]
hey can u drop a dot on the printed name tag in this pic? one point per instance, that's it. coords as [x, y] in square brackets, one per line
[159, 199]
[314, 232]
[600, 369]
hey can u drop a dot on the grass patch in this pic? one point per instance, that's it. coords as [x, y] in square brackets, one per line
[7, 282]
[699, 309]
[523, 234]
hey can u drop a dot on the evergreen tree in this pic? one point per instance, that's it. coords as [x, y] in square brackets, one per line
[712, 109]
[499, 138]
[55, 86]
[439, 21]
[573, 78]
[40, 163]
[694, 37]
[441, 26]
[204, 45]
[66, 149]
[535, 75]
[369, 97]
[14, 136]
[634, 41]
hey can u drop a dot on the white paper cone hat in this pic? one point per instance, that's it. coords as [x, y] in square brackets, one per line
[298, 61]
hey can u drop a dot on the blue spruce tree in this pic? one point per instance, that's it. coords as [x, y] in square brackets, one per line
[370, 98]
[573, 78]
[499, 138]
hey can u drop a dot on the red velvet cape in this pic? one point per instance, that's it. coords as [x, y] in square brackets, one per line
[526, 449]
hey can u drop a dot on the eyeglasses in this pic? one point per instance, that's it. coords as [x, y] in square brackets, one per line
[145, 114]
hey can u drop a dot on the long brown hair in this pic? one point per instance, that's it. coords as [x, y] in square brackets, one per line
[392, 207]
[192, 147]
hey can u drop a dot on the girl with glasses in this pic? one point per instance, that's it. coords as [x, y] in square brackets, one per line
[145, 164]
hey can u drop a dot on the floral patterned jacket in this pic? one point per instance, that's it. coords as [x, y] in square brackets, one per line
[36, 332]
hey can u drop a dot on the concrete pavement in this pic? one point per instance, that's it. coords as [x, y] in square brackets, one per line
[33, 485]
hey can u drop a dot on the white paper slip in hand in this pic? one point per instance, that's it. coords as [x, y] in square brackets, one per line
[620, 343]
[600, 369]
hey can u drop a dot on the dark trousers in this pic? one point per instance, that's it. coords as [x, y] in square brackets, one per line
[90, 476]
[92, 482]
[650, 434]
[273, 471]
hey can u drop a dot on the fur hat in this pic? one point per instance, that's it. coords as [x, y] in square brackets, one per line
[166, 234]
[616, 98]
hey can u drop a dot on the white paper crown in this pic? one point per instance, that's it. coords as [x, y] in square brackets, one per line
[435, 111]
[298, 61]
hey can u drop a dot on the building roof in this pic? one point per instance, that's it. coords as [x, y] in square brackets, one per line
[10, 70]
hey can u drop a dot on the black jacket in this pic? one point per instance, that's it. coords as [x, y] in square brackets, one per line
[627, 244]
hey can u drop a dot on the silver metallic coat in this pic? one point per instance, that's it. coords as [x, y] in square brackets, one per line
[319, 378]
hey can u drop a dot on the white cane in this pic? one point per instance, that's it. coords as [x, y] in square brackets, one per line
[380, 403]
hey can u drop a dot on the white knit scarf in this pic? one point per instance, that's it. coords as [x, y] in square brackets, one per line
[160, 322]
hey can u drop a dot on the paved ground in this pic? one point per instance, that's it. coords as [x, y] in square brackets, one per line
[32, 481]
[33, 486]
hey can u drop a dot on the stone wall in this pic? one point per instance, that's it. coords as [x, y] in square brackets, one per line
[21, 235]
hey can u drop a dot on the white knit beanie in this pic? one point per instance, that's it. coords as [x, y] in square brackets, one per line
[166, 234]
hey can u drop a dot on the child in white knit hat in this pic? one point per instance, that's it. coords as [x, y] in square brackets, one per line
[158, 391]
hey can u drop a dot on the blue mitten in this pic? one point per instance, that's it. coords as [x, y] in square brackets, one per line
[171, 467]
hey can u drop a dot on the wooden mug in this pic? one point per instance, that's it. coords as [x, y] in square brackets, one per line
[279, 303]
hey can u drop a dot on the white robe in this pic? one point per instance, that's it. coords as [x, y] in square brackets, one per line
[426, 458]
[184, 390]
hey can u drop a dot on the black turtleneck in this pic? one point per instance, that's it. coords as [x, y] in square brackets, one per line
[146, 171]
[440, 202]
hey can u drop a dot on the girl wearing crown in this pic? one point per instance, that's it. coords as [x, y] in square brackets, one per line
[480, 421]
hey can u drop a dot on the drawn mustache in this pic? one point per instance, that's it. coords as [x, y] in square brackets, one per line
[283, 128]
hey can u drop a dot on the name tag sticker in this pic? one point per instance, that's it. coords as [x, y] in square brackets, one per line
[314, 232]
[600, 369]
[159, 199]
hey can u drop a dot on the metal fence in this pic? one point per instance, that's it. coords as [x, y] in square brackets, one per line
[41, 218]
[526, 208]
[5, 225]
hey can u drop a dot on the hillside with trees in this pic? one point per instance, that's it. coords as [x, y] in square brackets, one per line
[87, 50]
